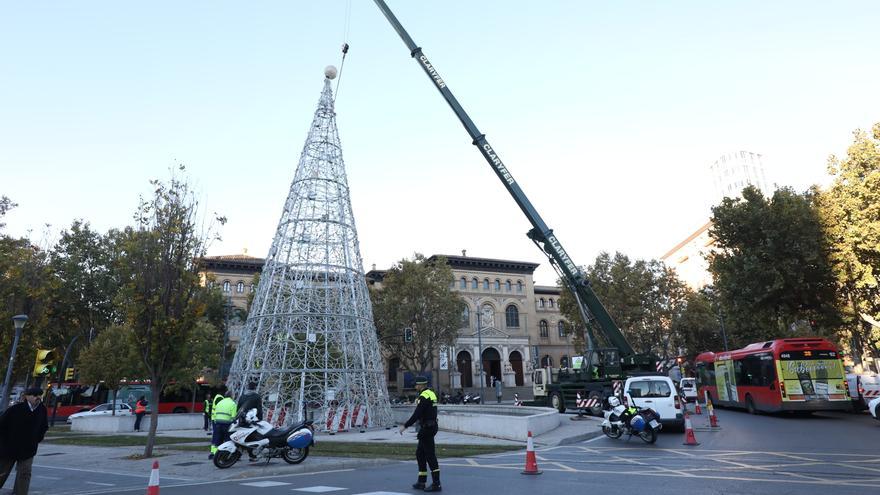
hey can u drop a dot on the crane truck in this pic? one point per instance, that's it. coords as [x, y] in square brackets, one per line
[601, 368]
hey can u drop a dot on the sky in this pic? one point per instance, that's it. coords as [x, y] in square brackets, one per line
[608, 114]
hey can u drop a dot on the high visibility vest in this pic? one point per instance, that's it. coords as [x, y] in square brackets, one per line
[140, 407]
[430, 395]
[217, 399]
[208, 405]
[225, 410]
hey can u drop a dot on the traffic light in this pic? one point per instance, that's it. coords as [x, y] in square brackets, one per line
[45, 364]
[407, 334]
[68, 374]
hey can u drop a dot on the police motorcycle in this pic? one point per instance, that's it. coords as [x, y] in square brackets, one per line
[260, 440]
[620, 419]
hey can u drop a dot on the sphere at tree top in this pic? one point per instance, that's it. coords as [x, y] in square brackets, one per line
[330, 72]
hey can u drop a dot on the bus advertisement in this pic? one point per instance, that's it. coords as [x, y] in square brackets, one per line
[798, 374]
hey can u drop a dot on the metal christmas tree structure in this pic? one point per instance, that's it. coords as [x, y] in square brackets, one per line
[309, 341]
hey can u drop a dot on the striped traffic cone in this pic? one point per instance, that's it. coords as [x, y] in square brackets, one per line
[689, 437]
[531, 461]
[153, 487]
[713, 421]
[698, 410]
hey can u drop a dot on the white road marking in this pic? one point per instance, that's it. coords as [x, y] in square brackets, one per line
[264, 484]
[143, 476]
[319, 489]
[99, 484]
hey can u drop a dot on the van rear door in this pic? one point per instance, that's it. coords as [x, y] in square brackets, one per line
[655, 392]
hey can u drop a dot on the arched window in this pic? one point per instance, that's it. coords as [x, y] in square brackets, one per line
[543, 329]
[497, 285]
[507, 284]
[226, 286]
[466, 317]
[462, 283]
[239, 287]
[512, 316]
[551, 302]
[541, 303]
[485, 284]
[546, 361]
[393, 365]
[561, 327]
[519, 286]
[475, 284]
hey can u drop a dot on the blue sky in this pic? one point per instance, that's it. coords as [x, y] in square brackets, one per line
[607, 113]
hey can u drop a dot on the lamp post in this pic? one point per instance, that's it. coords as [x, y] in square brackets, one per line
[480, 346]
[227, 307]
[18, 321]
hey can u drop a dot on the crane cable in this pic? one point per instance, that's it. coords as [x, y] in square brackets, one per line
[345, 46]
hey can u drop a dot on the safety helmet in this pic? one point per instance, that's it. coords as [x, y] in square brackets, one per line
[613, 401]
[251, 416]
[637, 422]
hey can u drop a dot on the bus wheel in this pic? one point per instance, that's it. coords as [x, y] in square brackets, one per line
[750, 405]
[179, 410]
[556, 402]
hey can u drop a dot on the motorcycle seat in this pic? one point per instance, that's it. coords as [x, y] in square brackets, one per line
[282, 432]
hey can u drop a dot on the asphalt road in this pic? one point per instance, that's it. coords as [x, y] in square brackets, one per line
[825, 453]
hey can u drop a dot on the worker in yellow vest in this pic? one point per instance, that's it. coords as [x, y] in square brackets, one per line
[209, 406]
[224, 413]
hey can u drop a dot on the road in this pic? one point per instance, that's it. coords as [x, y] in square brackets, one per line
[825, 453]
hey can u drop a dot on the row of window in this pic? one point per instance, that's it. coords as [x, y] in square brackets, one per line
[239, 287]
[544, 329]
[496, 286]
[511, 317]
[543, 304]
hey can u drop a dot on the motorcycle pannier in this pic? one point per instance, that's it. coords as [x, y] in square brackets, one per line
[300, 439]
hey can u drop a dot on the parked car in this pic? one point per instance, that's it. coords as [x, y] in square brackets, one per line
[122, 409]
[688, 388]
[658, 393]
[873, 406]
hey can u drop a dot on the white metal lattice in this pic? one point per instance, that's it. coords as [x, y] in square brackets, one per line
[309, 340]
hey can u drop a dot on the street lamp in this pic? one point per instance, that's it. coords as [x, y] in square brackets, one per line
[480, 346]
[18, 321]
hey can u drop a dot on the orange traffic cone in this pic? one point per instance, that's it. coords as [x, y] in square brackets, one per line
[689, 437]
[698, 410]
[153, 487]
[713, 421]
[531, 461]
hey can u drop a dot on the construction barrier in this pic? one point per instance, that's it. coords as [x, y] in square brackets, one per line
[531, 460]
[689, 437]
[153, 486]
[582, 403]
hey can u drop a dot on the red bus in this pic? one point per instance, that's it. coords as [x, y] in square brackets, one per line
[77, 397]
[799, 374]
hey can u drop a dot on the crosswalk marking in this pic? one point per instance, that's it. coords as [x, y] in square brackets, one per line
[383, 493]
[318, 489]
[264, 484]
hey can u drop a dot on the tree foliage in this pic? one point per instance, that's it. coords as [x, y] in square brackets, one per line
[161, 296]
[850, 211]
[417, 294]
[770, 266]
[110, 358]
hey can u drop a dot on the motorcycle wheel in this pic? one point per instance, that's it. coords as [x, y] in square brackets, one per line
[611, 432]
[648, 435]
[295, 456]
[223, 459]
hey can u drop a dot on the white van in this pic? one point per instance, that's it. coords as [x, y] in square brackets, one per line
[658, 393]
[688, 388]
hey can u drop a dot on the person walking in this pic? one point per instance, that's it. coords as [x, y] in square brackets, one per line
[224, 414]
[207, 412]
[426, 415]
[22, 428]
[140, 409]
[498, 390]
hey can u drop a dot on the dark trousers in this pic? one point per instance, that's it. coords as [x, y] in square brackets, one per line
[137, 421]
[425, 454]
[220, 435]
[22, 474]
[207, 421]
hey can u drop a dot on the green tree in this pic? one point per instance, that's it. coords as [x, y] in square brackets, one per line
[697, 325]
[417, 294]
[110, 358]
[770, 267]
[161, 295]
[850, 211]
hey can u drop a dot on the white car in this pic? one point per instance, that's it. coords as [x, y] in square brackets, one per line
[688, 387]
[658, 393]
[122, 409]
[874, 407]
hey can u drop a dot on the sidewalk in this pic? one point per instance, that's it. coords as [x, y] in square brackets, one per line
[195, 466]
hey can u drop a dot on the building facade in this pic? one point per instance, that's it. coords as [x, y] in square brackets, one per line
[689, 258]
[513, 324]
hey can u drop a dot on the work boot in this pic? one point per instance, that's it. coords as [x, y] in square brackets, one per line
[419, 486]
[434, 487]
[210, 456]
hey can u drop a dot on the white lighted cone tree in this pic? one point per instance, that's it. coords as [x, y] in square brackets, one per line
[309, 341]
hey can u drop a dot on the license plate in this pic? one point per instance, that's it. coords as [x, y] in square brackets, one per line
[654, 423]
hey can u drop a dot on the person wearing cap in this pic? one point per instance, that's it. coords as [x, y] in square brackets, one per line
[426, 415]
[22, 428]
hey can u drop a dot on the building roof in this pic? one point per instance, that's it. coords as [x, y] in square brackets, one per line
[487, 264]
[547, 289]
[240, 262]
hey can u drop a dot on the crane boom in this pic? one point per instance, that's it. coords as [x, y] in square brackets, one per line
[590, 307]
